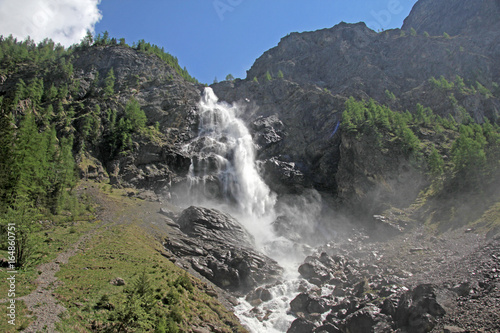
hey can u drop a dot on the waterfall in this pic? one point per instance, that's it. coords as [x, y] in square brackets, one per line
[224, 170]
[224, 164]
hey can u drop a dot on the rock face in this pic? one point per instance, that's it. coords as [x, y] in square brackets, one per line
[351, 59]
[214, 226]
[294, 128]
[164, 96]
[453, 17]
[295, 119]
[217, 247]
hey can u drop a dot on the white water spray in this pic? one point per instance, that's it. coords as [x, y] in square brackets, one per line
[226, 156]
[224, 169]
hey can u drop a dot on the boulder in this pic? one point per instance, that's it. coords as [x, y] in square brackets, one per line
[367, 320]
[314, 271]
[213, 225]
[216, 246]
[258, 296]
[301, 325]
[418, 309]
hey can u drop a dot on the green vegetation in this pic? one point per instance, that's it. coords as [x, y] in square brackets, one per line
[475, 151]
[268, 76]
[142, 46]
[172, 61]
[459, 86]
[390, 95]
[109, 84]
[371, 118]
[229, 77]
[157, 296]
[442, 83]
[45, 128]
[280, 75]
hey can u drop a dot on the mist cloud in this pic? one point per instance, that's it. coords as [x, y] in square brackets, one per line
[64, 21]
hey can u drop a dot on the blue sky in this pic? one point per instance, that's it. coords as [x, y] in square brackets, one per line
[213, 38]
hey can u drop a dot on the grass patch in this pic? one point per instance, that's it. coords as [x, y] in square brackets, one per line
[22, 320]
[490, 220]
[126, 251]
[52, 240]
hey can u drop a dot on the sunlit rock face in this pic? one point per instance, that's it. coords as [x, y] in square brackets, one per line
[220, 249]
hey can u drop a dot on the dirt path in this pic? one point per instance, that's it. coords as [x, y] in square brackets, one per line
[41, 302]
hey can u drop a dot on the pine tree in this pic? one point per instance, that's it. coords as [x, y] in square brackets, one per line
[27, 157]
[109, 84]
[88, 40]
[51, 94]
[268, 76]
[35, 91]
[135, 115]
[7, 140]
[468, 155]
[435, 162]
[21, 92]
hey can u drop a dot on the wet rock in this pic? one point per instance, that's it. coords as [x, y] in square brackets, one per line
[309, 304]
[284, 176]
[389, 308]
[258, 296]
[301, 325]
[327, 328]
[219, 248]
[367, 320]
[314, 271]
[213, 225]
[361, 288]
[317, 305]
[299, 303]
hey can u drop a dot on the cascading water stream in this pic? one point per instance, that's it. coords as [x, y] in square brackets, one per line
[224, 170]
[226, 156]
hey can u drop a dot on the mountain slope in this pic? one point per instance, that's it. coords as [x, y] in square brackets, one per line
[298, 89]
[454, 17]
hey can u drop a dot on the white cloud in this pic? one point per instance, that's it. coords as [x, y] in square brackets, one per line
[64, 21]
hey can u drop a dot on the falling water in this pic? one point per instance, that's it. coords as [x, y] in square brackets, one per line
[224, 169]
[225, 165]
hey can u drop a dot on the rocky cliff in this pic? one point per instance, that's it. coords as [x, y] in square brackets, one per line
[164, 96]
[478, 18]
[295, 94]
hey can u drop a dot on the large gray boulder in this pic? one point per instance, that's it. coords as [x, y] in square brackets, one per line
[216, 246]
